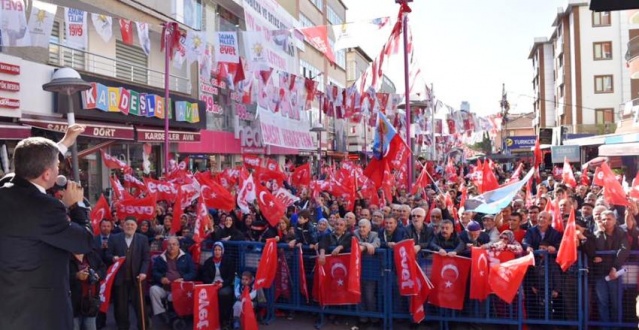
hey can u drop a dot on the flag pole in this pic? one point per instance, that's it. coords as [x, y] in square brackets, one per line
[167, 103]
[407, 92]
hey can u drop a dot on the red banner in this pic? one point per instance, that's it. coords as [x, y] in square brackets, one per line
[282, 278]
[505, 278]
[131, 181]
[119, 193]
[107, 283]
[251, 161]
[112, 162]
[182, 293]
[141, 209]
[126, 28]
[162, 190]
[205, 307]
[449, 275]
[404, 255]
[479, 288]
[267, 268]
[303, 287]
[100, 211]
[334, 283]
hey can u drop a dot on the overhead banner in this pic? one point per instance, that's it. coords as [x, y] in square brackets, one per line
[284, 132]
[269, 41]
[226, 47]
[41, 23]
[13, 23]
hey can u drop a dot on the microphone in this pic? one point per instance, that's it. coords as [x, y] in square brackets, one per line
[61, 181]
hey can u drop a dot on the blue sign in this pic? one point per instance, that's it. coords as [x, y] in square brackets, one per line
[572, 153]
[520, 142]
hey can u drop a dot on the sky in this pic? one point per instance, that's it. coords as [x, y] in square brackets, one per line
[468, 48]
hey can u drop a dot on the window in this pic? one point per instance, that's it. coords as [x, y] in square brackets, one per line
[603, 84]
[332, 16]
[130, 63]
[601, 18]
[319, 4]
[602, 50]
[305, 21]
[351, 73]
[604, 116]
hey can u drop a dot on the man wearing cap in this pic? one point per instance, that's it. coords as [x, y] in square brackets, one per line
[490, 227]
[135, 248]
[473, 237]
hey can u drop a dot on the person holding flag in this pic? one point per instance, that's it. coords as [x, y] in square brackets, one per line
[220, 270]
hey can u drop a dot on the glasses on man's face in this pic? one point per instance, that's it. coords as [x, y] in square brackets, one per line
[416, 216]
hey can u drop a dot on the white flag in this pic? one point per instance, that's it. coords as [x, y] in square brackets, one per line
[180, 54]
[14, 24]
[143, 37]
[246, 195]
[103, 25]
[41, 23]
[195, 43]
[351, 34]
[76, 28]
[205, 64]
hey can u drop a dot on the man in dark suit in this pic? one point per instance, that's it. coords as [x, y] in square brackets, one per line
[101, 245]
[36, 237]
[126, 285]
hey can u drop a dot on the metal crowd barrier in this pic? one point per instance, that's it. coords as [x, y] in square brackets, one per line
[575, 304]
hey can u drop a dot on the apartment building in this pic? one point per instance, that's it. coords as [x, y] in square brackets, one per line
[579, 75]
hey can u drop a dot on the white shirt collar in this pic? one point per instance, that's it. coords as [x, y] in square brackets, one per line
[41, 188]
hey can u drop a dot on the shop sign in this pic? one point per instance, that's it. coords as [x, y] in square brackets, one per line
[11, 69]
[250, 139]
[209, 94]
[520, 142]
[9, 86]
[108, 132]
[130, 102]
[158, 136]
[8, 103]
[572, 153]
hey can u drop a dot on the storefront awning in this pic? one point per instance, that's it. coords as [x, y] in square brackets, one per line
[93, 129]
[588, 141]
[157, 135]
[620, 149]
[11, 131]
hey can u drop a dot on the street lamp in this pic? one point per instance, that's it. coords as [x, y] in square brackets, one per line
[319, 128]
[66, 81]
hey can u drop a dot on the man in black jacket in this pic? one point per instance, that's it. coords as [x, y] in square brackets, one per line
[131, 275]
[36, 237]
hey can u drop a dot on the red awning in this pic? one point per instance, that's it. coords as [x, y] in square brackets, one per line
[93, 129]
[157, 135]
[11, 131]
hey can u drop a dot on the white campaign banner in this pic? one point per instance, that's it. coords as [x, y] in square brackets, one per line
[76, 28]
[226, 47]
[269, 41]
[285, 196]
[41, 23]
[284, 132]
[13, 22]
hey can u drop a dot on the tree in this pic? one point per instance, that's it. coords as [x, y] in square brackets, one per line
[485, 146]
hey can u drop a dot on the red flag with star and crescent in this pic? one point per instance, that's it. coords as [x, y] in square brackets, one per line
[100, 211]
[480, 288]
[272, 209]
[505, 278]
[449, 276]
[613, 191]
[334, 286]
[182, 293]
[416, 302]
[301, 175]
[267, 268]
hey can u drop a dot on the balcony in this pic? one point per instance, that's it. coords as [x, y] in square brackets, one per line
[597, 129]
[632, 57]
[60, 55]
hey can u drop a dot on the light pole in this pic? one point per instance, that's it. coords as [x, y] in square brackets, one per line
[66, 81]
[319, 127]
[404, 4]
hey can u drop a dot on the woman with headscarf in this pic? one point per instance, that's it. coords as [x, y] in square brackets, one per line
[221, 270]
[507, 242]
[146, 230]
[228, 231]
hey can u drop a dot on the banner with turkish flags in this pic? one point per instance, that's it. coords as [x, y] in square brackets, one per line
[613, 191]
[334, 283]
[301, 175]
[140, 208]
[404, 256]
[479, 286]
[282, 277]
[449, 276]
[112, 163]
[182, 293]
[272, 209]
[303, 286]
[205, 307]
[163, 191]
[247, 317]
[355, 268]
[567, 253]
[99, 211]
[505, 278]
[107, 283]
[266, 269]
[416, 302]
[567, 176]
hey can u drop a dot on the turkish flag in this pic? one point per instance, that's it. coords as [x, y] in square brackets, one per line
[355, 268]
[634, 192]
[479, 286]
[567, 254]
[303, 286]
[126, 28]
[557, 221]
[598, 178]
[140, 208]
[162, 190]
[267, 174]
[119, 193]
[449, 276]
[247, 318]
[99, 211]
[584, 178]
[266, 269]
[111, 162]
[404, 256]
[182, 293]
[517, 173]
[178, 210]
[489, 181]
[613, 191]
[107, 283]
[567, 176]
[334, 285]
[215, 196]
[301, 175]
[205, 307]
[271, 208]
[422, 181]
[416, 302]
[505, 278]
[318, 279]
[388, 182]
[282, 277]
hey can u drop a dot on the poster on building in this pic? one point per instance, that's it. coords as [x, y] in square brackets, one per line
[268, 40]
[75, 21]
[226, 47]
[13, 22]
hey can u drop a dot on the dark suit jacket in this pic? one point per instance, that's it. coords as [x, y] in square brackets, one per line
[227, 271]
[140, 255]
[36, 238]
[97, 246]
